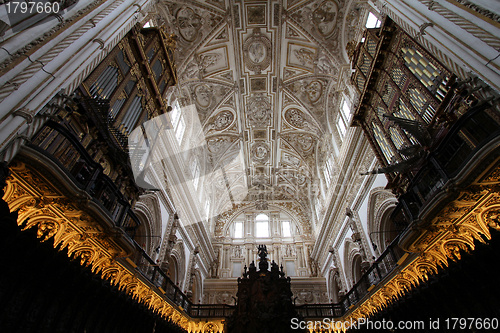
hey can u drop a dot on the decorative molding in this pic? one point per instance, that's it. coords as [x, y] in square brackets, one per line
[478, 9]
[473, 29]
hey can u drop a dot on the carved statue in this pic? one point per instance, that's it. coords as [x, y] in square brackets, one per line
[237, 251]
[213, 269]
[262, 252]
[263, 264]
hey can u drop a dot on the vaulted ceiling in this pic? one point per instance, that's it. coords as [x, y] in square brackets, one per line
[264, 77]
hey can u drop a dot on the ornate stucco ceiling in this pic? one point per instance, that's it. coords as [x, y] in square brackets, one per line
[264, 77]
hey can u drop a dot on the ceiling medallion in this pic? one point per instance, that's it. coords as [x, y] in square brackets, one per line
[296, 118]
[203, 95]
[302, 142]
[257, 51]
[223, 120]
[325, 17]
[189, 24]
[260, 152]
[259, 110]
[314, 91]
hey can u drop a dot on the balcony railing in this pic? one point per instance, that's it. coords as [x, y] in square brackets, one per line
[58, 144]
[329, 310]
[151, 271]
[211, 310]
[380, 269]
[156, 276]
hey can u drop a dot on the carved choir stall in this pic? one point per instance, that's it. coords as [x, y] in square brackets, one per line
[264, 301]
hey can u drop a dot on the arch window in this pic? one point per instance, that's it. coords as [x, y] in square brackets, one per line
[178, 124]
[287, 231]
[238, 229]
[356, 269]
[172, 271]
[262, 226]
[343, 119]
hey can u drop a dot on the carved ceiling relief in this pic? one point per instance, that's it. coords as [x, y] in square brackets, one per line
[312, 94]
[257, 51]
[289, 73]
[301, 56]
[260, 152]
[299, 120]
[293, 183]
[250, 87]
[213, 61]
[207, 96]
[191, 24]
[259, 112]
[292, 33]
[303, 143]
[222, 121]
[207, 61]
[190, 71]
[290, 160]
[227, 77]
[325, 17]
[221, 36]
[203, 95]
[321, 19]
[218, 145]
[294, 180]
